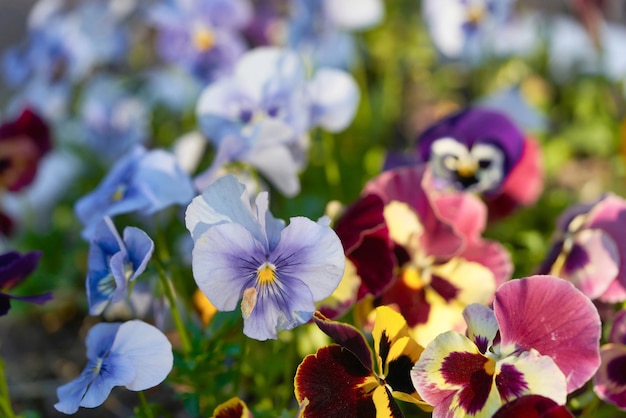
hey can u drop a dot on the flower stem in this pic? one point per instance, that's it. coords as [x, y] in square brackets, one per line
[5, 402]
[178, 320]
[144, 407]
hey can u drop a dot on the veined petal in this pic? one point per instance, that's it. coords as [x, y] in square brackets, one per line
[312, 252]
[225, 259]
[530, 373]
[347, 337]
[281, 305]
[482, 326]
[115, 371]
[147, 349]
[344, 296]
[550, 315]
[609, 383]
[333, 380]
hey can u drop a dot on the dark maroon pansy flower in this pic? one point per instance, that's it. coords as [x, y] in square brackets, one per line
[14, 269]
[533, 406]
[23, 142]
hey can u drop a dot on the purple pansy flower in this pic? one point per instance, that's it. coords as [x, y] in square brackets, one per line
[202, 36]
[144, 181]
[14, 269]
[114, 262]
[114, 120]
[610, 381]
[241, 252]
[590, 249]
[133, 354]
[262, 113]
[541, 338]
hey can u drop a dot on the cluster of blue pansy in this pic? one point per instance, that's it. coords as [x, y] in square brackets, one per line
[259, 81]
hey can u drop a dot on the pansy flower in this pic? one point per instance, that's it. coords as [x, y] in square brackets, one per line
[340, 381]
[242, 253]
[232, 408]
[609, 383]
[533, 406]
[201, 36]
[14, 269]
[261, 114]
[590, 249]
[114, 262]
[133, 354]
[113, 119]
[24, 141]
[143, 181]
[541, 338]
[421, 251]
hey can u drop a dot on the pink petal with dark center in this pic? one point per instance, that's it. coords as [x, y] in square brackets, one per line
[550, 315]
[610, 381]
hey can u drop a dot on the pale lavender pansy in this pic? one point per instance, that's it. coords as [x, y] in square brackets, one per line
[590, 249]
[114, 262]
[541, 338]
[133, 354]
[142, 181]
[262, 113]
[242, 253]
[201, 36]
[610, 381]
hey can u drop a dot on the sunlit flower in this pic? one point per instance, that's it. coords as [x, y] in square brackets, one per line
[610, 381]
[481, 150]
[261, 114]
[14, 269]
[23, 142]
[114, 263]
[340, 381]
[133, 354]
[142, 181]
[541, 338]
[590, 249]
[241, 252]
[202, 36]
[420, 251]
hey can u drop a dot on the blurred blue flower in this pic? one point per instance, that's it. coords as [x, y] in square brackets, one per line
[14, 269]
[114, 120]
[202, 36]
[133, 354]
[321, 30]
[144, 181]
[242, 252]
[262, 113]
[114, 262]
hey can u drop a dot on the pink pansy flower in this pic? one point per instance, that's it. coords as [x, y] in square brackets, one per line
[421, 251]
[540, 338]
[590, 248]
[610, 381]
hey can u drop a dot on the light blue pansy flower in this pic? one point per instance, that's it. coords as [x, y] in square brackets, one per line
[241, 252]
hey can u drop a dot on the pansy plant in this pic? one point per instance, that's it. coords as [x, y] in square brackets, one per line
[242, 253]
[540, 338]
[341, 380]
[114, 262]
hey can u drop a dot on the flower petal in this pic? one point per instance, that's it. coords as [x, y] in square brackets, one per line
[335, 96]
[482, 326]
[610, 381]
[332, 381]
[550, 315]
[533, 406]
[140, 248]
[232, 408]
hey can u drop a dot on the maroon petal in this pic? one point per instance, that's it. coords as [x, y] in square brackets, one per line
[533, 406]
[332, 381]
[346, 336]
[550, 315]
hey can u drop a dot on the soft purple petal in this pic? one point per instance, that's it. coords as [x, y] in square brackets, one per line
[15, 267]
[147, 349]
[482, 326]
[225, 260]
[140, 248]
[550, 315]
[100, 339]
[278, 165]
[115, 371]
[71, 394]
[618, 329]
[312, 252]
[335, 97]
[610, 381]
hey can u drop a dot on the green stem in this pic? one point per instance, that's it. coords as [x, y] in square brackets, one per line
[144, 407]
[331, 167]
[178, 320]
[5, 402]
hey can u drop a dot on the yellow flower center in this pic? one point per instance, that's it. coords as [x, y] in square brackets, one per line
[475, 14]
[203, 39]
[119, 193]
[266, 274]
[490, 366]
[411, 277]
